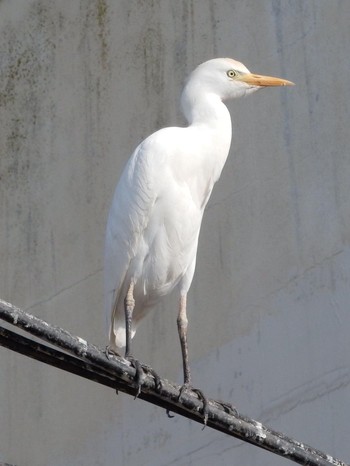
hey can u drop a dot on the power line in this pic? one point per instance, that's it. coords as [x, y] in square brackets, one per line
[79, 357]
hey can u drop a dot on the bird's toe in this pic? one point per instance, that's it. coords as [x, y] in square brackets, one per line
[139, 374]
[201, 397]
[228, 407]
[157, 379]
[111, 352]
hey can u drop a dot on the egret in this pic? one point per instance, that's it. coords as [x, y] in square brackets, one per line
[157, 209]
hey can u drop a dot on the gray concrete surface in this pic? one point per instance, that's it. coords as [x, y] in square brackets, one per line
[81, 83]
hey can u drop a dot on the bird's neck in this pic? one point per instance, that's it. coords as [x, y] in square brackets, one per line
[205, 109]
[210, 121]
[207, 112]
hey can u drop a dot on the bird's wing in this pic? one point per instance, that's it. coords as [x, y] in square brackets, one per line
[133, 200]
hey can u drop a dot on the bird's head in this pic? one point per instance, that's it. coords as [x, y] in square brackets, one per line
[229, 78]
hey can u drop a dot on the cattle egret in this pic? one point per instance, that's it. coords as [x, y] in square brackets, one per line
[157, 209]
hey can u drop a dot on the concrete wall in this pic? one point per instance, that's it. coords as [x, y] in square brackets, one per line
[81, 83]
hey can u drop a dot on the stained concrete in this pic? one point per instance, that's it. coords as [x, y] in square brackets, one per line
[81, 83]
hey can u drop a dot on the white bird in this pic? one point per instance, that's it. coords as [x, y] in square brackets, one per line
[157, 209]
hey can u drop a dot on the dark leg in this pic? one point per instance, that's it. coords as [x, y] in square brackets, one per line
[182, 324]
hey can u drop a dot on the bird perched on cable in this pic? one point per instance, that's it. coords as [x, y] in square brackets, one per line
[157, 209]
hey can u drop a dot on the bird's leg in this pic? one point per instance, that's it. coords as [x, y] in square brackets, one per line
[129, 306]
[182, 324]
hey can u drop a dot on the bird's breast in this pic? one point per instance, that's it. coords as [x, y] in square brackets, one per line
[199, 167]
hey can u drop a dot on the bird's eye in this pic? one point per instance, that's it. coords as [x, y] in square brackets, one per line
[231, 73]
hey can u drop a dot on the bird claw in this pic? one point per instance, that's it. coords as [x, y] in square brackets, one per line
[110, 352]
[201, 397]
[170, 416]
[157, 380]
[139, 374]
[228, 407]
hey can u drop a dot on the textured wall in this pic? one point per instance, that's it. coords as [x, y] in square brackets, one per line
[81, 83]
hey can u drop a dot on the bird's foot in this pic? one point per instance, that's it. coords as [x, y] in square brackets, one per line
[157, 379]
[139, 373]
[110, 352]
[201, 397]
[140, 369]
[228, 407]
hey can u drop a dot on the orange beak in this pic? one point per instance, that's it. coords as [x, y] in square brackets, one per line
[263, 81]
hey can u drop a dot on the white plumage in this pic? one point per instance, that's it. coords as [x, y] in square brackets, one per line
[157, 209]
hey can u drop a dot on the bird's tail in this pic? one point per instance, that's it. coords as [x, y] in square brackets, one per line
[117, 334]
